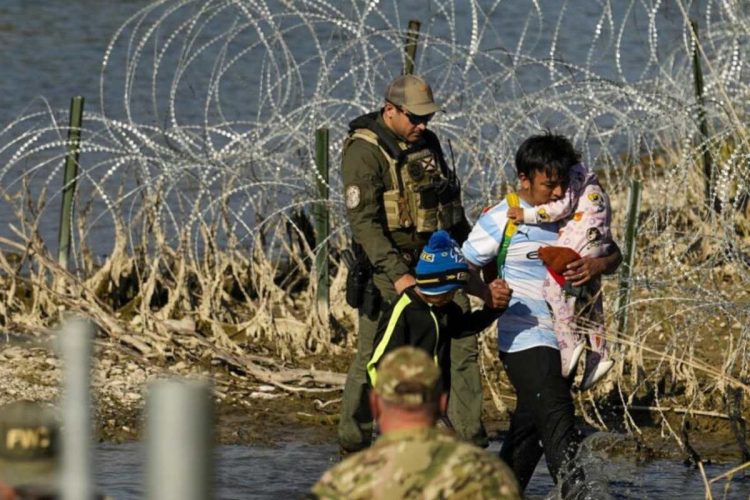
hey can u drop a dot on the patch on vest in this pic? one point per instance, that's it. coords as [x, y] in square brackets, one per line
[352, 197]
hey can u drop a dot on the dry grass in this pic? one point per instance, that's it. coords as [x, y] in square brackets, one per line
[210, 259]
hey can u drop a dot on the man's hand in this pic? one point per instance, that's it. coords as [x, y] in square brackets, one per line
[498, 294]
[515, 214]
[404, 282]
[584, 270]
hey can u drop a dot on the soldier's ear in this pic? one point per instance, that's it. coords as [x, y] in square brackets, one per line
[374, 405]
[443, 403]
[389, 109]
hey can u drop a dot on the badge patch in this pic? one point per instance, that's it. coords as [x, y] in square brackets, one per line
[352, 197]
[427, 257]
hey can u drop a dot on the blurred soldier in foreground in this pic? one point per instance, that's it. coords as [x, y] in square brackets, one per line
[412, 458]
[28, 451]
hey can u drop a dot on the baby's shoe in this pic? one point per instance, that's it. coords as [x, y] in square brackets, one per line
[597, 363]
[570, 352]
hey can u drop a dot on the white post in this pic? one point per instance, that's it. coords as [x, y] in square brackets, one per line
[179, 457]
[75, 340]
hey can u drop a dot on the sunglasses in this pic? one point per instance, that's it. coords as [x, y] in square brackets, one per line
[415, 119]
[418, 119]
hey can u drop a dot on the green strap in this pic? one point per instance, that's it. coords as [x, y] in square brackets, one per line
[510, 230]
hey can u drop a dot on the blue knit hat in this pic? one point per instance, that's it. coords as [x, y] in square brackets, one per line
[441, 267]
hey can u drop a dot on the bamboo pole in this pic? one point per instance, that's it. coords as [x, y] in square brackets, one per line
[69, 180]
[179, 440]
[702, 121]
[322, 222]
[75, 342]
[410, 46]
[631, 232]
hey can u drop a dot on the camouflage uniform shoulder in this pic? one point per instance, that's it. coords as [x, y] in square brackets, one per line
[469, 472]
[419, 464]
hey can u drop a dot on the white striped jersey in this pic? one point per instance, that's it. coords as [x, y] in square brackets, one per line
[527, 322]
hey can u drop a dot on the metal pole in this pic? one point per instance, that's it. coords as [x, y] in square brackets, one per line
[322, 222]
[69, 182]
[412, 39]
[75, 341]
[702, 121]
[179, 440]
[631, 233]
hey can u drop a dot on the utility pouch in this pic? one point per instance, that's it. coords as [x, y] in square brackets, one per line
[392, 202]
[371, 299]
[450, 214]
[451, 211]
[426, 201]
[354, 288]
[361, 292]
[356, 279]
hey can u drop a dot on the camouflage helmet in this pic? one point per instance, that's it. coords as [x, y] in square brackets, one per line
[408, 376]
[28, 444]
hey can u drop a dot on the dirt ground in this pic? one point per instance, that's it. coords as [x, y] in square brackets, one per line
[251, 413]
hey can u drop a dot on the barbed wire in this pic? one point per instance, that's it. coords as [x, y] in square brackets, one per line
[208, 111]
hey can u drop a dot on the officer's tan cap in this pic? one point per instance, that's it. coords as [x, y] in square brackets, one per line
[28, 444]
[413, 94]
[408, 376]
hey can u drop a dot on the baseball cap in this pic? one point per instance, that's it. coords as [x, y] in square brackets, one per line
[28, 444]
[408, 376]
[413, 94]
[441, 267]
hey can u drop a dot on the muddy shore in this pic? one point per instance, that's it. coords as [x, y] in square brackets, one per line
[264, 415]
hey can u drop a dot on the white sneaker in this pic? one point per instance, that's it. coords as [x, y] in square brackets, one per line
[569, 357]
[596, 369]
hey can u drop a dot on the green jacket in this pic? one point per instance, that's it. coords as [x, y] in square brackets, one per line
[366, 176]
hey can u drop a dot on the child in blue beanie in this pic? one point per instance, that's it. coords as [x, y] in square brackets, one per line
[425, 316]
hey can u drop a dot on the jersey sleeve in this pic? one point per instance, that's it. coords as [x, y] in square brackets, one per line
[483, 242]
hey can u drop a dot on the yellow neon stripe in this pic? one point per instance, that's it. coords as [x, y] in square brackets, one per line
[437, 337]
[380, 348]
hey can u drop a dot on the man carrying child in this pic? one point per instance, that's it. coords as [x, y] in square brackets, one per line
[543, 421]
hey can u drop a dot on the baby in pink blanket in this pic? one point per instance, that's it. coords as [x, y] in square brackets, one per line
[584, 214]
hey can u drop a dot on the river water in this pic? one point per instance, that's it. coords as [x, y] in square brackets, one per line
[288, 471]
[51, 50]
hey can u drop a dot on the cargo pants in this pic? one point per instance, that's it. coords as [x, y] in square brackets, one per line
[464, 403]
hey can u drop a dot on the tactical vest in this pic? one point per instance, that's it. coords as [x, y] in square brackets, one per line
[425, 196]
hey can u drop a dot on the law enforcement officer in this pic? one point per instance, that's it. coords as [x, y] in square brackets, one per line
[29, 451]
[412, 458]
[398, 190]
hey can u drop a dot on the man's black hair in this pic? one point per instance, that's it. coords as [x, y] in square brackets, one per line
[549, 153]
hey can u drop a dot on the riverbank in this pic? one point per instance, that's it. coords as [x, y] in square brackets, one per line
[256, 413]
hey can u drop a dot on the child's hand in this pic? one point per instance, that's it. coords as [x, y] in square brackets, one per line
[515, 214]
[499, 294]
